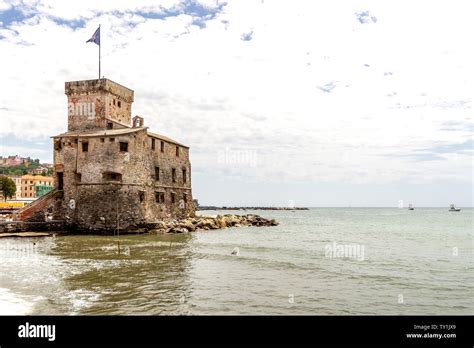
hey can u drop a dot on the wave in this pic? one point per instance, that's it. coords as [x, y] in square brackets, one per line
[13, 304]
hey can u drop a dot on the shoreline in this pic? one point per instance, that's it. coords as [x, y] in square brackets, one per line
[186, 225]
[211, 207]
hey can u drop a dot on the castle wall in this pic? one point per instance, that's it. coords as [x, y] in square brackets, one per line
[134, 194]
[86, 112]
[118, 109]
[181, 188]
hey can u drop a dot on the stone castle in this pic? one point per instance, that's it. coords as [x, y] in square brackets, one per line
[110, 171]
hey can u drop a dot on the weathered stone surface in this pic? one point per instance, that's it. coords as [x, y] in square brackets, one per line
[24, 226]
[109, 186]
[92, 102]
[202, 223]
[206, 223]
[158, 231]
[188, 225]
[178, 230]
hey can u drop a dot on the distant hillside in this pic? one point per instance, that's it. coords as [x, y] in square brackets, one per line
[17, 166]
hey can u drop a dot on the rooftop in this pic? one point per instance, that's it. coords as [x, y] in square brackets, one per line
[99, 133]
[115, 132]
[87, 86]
[37, 177]
[162, 137]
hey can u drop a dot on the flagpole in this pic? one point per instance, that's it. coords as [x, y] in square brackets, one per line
[100, 42]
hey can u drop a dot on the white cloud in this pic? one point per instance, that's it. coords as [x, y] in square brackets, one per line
[210, 89]
[4, 6]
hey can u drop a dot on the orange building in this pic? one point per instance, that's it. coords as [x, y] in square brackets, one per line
[29, 182]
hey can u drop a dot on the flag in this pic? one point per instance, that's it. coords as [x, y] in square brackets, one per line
[96, 37]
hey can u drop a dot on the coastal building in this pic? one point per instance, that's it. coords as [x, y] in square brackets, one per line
[11, 161]
[29, 183]
[43, 189]
[110, 170]
[17, 180]
[36, 171]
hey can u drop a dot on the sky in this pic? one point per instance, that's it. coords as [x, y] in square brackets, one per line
[311, 103]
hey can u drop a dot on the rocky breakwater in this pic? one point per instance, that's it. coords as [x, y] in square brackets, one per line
[209, 223]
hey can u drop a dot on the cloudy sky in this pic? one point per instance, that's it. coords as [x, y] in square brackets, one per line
[323, 103]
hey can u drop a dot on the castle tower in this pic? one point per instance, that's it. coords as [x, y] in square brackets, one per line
[98, 104]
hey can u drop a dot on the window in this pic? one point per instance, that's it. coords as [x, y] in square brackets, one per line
[111, 176]
[57, 145]
[110, 125]
[173, 197]
[75, 141]
[152, 144]
[59, 176]
[184, 175]
[114, 101]
[123, 146]
[119, 103]
[102, 140]
[85, 146]
[185, 197]
[162, 146]
[112, 140]
[141, 195]
[157, 173]
[177, 151]
[173, 175]
[160, 197]
[78, 177]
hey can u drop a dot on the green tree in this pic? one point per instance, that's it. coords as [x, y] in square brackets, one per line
[7, 187]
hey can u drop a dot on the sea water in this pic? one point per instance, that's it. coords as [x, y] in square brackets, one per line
[322, 261]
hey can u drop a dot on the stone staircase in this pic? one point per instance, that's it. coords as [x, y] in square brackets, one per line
[35, 210]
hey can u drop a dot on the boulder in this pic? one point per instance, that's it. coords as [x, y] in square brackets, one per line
[221, 222]
[188, 225]
[178, 230]
[210, 223]
[157, 231]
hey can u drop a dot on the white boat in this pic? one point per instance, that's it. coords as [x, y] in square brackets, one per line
[453, 208]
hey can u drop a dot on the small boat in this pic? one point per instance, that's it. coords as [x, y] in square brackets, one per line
[410, 207]
[453, 208]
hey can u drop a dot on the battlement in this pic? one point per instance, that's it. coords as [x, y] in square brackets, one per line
[98, 86]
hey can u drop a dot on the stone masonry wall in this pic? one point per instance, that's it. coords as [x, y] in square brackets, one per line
[166, 161]
[91, 102]
[86, 112]
[97, 200]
